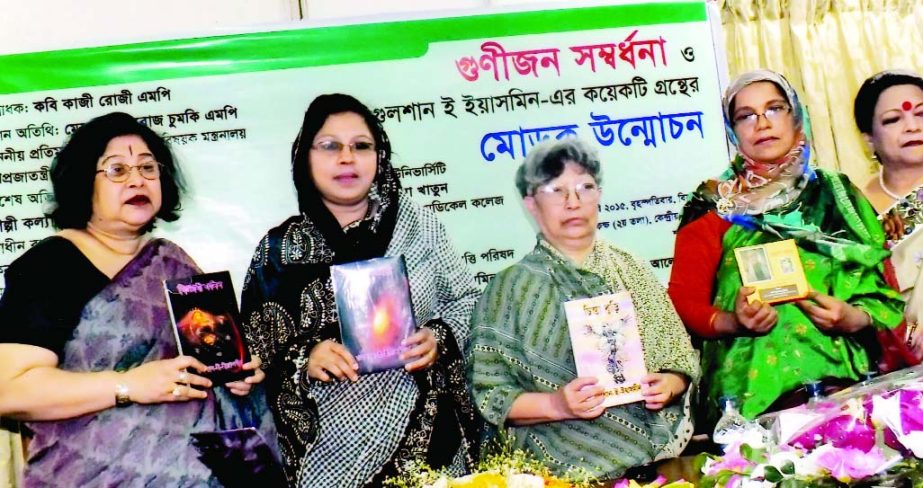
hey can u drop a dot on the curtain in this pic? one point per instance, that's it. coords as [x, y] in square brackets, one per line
[826, 48]
[11, 457]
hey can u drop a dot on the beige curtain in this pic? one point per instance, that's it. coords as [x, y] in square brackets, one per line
[11, 459]
[826, 48]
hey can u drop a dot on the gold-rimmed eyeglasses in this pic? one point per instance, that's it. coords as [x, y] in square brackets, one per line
[119, 172]
[587, 192]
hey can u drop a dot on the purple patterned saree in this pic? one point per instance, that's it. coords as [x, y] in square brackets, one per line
[123, 326]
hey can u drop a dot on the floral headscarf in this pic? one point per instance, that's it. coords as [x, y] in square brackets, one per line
[749, 188]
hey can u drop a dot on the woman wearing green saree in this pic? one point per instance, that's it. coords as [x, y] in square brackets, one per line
[757, 352]
[521, 359]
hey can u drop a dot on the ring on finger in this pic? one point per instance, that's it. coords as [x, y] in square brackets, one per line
[176, 391]
[183, 377]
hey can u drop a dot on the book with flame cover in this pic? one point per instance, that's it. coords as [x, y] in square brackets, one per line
[607, 344]
[203, 309]
[774, 270]
[375, 311]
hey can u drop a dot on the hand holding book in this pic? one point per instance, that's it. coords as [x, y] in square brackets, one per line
[422, 350]
[329, 360]
[659, 389]
[755, 317]
[831, 314]
[582, 398]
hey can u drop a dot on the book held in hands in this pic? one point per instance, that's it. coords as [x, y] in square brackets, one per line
[375, 311]
[206, 324]
[607, 345]
[774, 270]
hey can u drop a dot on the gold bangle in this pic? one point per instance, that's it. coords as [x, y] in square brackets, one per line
[122, 397]
[910, 330]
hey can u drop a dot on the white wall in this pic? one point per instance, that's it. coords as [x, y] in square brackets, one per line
[42, 25]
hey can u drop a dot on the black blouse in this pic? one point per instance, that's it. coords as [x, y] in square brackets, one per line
[46, 290]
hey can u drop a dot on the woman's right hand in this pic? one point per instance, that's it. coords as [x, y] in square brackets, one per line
[756, 317]
[331, 358]
[582, 398]
[166, 380]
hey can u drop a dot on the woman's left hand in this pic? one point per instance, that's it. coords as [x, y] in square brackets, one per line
[243, 387]
[423, 351]
[830, 314]
[659, 389]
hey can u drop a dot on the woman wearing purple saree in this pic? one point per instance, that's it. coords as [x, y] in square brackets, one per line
[87, 354]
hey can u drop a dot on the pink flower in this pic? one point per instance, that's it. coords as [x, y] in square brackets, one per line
[849, 464]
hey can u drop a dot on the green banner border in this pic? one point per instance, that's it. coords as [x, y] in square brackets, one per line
[318, 46]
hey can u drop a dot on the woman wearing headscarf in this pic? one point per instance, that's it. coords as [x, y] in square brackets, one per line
[760, 353]
[337, 427]
[889, 112]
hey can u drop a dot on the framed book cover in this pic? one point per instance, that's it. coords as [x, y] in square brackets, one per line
[206, 324]
[774, 270]
[606, 341]
[375, 311]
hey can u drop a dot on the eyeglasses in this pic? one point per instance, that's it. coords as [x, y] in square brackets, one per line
[333, 148]
[773, 114]
[586, 193]
[119, 172]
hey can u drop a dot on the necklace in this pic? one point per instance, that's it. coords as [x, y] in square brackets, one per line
[92, 233]
[881, 183]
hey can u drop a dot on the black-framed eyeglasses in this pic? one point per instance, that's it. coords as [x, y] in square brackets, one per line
[119, 172]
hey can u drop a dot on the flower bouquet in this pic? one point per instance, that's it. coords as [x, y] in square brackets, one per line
[869, 435]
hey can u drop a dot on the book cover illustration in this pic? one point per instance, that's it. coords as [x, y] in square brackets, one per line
[607, 344]
[375, 311]
[203, 309]
[774, 270]
[903, 218]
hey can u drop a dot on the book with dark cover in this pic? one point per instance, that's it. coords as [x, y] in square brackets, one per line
[203, 309]
[375, 311]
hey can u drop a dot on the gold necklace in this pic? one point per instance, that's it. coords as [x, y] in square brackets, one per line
[92, 233]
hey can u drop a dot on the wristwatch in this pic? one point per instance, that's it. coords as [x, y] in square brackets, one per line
[122, 399]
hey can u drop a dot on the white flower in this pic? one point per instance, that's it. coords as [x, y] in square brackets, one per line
[524, 481]
[442, 482]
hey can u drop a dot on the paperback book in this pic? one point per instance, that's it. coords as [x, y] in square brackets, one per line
[375, 310]
[206, 324]
[774, 270]
[607, 345]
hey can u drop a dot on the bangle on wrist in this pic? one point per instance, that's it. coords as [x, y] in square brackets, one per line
[122, 396]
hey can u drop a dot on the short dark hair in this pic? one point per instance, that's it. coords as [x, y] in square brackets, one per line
[314, 118]
[872, 88]
[547, 159]
[73, 171]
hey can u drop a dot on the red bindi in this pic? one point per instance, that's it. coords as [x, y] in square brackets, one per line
[906, 106]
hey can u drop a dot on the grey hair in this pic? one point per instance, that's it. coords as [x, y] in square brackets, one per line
[546, 161]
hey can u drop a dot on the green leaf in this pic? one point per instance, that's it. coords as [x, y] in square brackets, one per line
[788, 468]
[773, 475]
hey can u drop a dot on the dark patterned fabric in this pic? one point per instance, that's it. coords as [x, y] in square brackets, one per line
[356, 434]
[123, 326]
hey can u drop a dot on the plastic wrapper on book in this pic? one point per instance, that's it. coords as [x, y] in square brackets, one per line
[203, 309]
[870, 434]
[375, 310]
